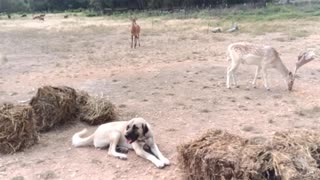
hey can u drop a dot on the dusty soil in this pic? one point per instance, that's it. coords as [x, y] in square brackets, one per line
[175, 80]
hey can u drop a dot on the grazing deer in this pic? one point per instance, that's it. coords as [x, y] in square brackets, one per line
[40, 17]
[135, 32]
[264, 57]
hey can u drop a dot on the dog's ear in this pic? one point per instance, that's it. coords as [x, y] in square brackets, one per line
[145, 129]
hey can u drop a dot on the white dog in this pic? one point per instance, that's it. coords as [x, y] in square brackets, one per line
[133, 134]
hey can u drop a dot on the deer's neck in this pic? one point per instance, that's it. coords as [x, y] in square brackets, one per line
[282, 69]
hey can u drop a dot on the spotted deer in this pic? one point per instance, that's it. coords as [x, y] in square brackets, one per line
[264, 57]
[135, 32]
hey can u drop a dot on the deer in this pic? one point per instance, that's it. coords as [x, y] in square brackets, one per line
[40, 17]
[135, 32]
[264, 57]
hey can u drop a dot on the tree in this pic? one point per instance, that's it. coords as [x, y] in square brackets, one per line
[10, 6]
[38, 5]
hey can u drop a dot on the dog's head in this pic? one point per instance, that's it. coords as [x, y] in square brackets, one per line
[137, 128]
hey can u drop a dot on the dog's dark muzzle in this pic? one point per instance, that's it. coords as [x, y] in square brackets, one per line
[131, 137]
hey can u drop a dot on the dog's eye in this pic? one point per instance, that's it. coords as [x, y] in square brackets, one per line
[128, 127]
[134, 127]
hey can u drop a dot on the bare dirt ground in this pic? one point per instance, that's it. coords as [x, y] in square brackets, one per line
[175, 80]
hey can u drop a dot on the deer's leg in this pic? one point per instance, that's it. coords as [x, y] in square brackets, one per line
[256, 76]
[265, 78]
[228, 77]
[139, 39]
[234, 79]
[131, 41]
[230, 72]
[135, 41]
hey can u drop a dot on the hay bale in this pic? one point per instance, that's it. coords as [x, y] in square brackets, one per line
[95, 110]
[53, 106]
[289, 155]
[17, 128]
[296, 154]
[220, 155]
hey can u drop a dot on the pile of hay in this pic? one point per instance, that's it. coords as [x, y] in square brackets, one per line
[296, 154]
[94, 110]
[220, 155]
[53, 106]
[17, 128]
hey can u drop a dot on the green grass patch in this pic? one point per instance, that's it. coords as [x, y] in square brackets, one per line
[269, 13]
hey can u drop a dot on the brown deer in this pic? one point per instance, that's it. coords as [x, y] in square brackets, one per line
[135, 32]
[40, 17]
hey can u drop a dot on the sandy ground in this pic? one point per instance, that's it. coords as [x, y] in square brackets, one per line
[175, 80]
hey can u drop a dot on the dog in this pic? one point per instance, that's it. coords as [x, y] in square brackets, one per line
[133, 134]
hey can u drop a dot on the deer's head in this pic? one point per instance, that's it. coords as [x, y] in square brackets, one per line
[133, 19]
[303, 58]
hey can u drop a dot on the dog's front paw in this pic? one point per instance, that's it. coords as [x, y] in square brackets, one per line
[123, 157]
[123, 150]
[166, 161]
[160, 164]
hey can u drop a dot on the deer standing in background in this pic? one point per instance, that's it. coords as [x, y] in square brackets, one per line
[135, 32]
[40, 17]
[264, 57]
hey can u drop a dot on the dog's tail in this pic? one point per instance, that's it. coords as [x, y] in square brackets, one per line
[78, 141]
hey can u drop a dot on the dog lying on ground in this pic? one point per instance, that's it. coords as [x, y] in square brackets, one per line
[133, 134]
